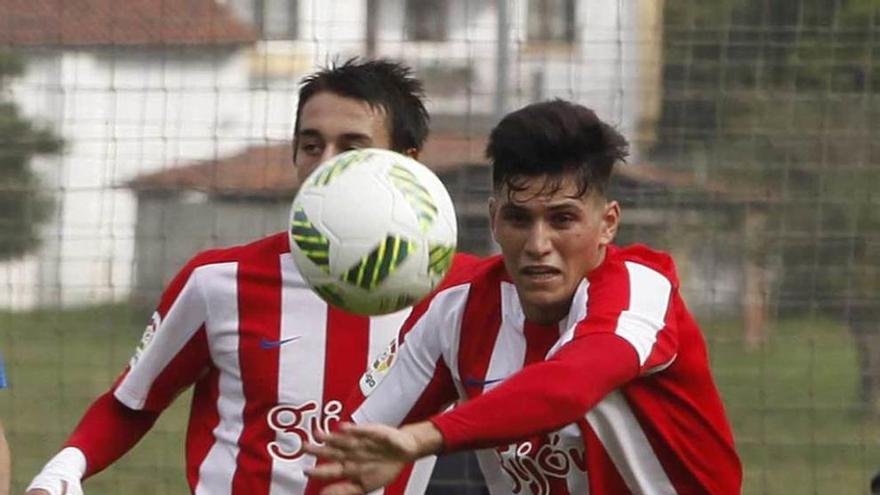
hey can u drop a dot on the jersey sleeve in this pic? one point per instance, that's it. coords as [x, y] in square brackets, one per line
[173, 352]
[621, 327]
[107, 431]
[413, 382]
[634, 302]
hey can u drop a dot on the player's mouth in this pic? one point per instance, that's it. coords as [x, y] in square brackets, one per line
[539, 273]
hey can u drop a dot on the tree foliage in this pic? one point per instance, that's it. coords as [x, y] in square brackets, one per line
[785, 97]
[24, 203]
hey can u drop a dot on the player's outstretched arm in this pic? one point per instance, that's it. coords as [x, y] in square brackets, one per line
[368, 457]
[105, 433]
[546, 395]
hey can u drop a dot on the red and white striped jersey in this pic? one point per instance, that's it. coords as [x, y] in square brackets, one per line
[270, 362]
[662, 430]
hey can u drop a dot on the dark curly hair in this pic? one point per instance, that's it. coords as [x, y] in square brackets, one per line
[383, 84]
[554, 138]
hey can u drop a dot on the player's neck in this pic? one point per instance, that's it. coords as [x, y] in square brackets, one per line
[546, 314]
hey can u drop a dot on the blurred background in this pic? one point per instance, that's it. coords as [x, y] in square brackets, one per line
[133, 134]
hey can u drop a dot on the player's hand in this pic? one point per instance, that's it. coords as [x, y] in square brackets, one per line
[56, 487]
[367, 457]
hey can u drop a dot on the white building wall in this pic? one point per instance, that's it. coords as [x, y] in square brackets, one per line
[122, 112]
[601, 69]
[128, 111]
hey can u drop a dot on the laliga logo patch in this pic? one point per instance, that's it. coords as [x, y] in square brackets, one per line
[149, 332]
[373, 377]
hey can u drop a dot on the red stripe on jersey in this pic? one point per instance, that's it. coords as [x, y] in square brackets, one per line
[439, 392]
[347, 346]
[479, 332]
[602, 473]
[398, 486]
[203, 418]
[539, 340]
[348, 343]
[259, 308]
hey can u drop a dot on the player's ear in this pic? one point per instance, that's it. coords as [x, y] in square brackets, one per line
[412, 153]
[610, 222]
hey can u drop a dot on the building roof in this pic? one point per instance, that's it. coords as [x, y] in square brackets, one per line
[258, 171]
[112, 22]
[267, 172]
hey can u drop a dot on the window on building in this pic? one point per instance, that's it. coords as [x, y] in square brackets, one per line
[427, 20]
[276, 19]
[551, 21]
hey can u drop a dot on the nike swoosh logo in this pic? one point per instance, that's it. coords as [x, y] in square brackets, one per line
[473, 382]
[272, 344]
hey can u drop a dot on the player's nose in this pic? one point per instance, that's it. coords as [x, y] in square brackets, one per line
[539, 242]
[329, 152]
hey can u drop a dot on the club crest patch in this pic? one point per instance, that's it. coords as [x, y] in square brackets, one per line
[379, 368]
[146, 338]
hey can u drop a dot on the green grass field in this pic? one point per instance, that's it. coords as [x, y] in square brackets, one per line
[793, 403]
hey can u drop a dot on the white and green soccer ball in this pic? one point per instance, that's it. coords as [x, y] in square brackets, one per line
[372, 231]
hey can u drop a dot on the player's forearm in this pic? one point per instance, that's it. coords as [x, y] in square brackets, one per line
[107, 431]
[542, 397]
[428, 439]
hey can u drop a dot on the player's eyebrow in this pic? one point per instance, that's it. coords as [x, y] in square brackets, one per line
[512, 208]
[564, 204]
[356, 137]
[308, 133]
[346, 137]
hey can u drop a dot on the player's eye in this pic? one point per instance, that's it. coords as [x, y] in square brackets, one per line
[311, 148]
[515, 217]
[355, 145]
[563, 219]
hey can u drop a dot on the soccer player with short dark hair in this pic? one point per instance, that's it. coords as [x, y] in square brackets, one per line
[577, 365]
[270, 361]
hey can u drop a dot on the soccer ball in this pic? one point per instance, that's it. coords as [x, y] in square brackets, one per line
[372, 231]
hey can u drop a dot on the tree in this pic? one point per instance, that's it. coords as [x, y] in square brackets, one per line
[785, 96]
[24, 203]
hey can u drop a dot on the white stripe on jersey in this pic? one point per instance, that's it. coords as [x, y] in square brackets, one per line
[382, 330]
[218, 467]
[496, 481]
[648, 303]
[628, 447]
[420, 476]
[394, 399]
[509, 352]
[300, 370]
[188, 312]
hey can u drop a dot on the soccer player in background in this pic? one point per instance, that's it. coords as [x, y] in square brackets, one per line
[579, 368]
[270, 361]
[5, 467]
